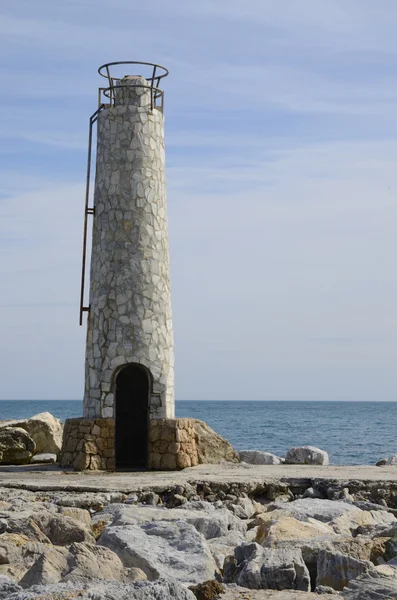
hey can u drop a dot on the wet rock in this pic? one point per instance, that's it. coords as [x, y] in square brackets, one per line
[257, 457]
[306, 455]
[16, 446]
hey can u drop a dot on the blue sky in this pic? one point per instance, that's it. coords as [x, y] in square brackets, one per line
[281, 141]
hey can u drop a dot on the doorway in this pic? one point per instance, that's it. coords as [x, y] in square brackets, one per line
[132, 418]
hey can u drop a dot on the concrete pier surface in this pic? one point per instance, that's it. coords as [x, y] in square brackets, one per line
[37, 478]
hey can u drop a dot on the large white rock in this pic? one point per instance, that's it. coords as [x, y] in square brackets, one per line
[276, 569]
[172, 549]
[392, 460]
[257, 457]
[45, 430]
[211, 522]
[344, 518]
[306, 455]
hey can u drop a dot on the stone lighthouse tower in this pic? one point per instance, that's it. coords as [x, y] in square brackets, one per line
[129, 370]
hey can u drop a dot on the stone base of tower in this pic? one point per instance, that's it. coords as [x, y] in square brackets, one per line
[88, 444]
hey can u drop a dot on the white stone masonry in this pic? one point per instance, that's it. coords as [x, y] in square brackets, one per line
[130, 317]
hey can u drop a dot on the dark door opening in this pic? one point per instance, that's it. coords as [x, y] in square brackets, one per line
[132, 418]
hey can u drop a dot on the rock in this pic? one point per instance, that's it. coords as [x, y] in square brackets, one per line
[277, 569]
[44, 459]
[7, 587]
[77, 514]
[171, 548]
[257, 457]
[209, 590]
[221, 547]
[373, 585]
[288, 529]
[343, 517]
[80, 563]
[16, 446]
[243, 508]
[381, 463]
[208, 520]
[106, 590]
[325, 589]
[336, 570]
[211, 447]
[62, 530]
[313, 493]
[45, 430]
[392, 460]
[233, 592]
[306, 455]
[321, 510]
[284, 569]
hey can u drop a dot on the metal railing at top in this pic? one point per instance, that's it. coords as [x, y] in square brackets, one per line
[152, 72]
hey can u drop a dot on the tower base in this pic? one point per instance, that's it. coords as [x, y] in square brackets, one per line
[89, 444]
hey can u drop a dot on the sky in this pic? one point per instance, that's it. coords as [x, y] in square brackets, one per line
[281, 148]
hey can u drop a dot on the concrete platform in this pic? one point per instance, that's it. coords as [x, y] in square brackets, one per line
[53, 478]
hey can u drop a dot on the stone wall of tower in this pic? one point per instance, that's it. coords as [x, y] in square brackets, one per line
[130, 306]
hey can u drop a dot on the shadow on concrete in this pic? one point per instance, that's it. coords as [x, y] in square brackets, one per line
[31, 468]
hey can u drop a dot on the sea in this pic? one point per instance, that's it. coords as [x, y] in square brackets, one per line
[353, 433]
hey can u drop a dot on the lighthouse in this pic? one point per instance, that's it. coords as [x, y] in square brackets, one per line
[129, 363]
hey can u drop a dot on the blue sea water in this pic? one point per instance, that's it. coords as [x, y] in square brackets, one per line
[351, 432]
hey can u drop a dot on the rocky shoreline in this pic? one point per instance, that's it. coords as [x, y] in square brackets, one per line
[300, 538]
[258, 527]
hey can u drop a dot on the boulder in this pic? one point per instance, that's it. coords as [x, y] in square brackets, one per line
[7, 587]
[45, 430]
[208, 590]
[373, 585]
[16, 446]
[172, 549]
[278, 569]
[257, 457]
[43, 459]
[306, 455]
[106, 590]
[392, 460]
[47, 527]
[80, 563]
[211, 447]
[343, 517]
[291, 531]
[234, 592]
[382, 462]
[211, 522]
[336, 570]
